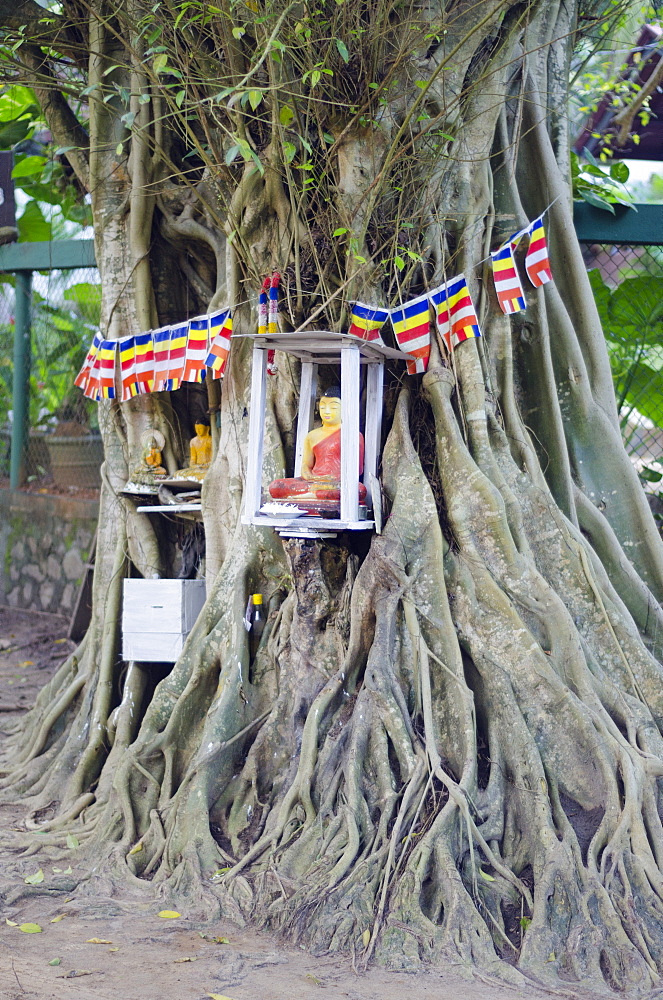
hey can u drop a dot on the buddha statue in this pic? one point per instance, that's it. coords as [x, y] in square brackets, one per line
[151, 472]
[200, 455]
[318, 488]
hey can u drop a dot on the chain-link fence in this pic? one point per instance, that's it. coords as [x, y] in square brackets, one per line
[63, 452]
[627, 280]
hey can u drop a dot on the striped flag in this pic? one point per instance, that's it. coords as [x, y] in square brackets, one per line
[176, 355]
[128, 368]
[454, 310]
[221, 326]
[145, 361]
[537, 262]
[107, 350]
[81, 379]
[93, 383]
[509, 290]
[196, 349]
[411, 324]
[367, 321]
[161, 338]
[273, 311]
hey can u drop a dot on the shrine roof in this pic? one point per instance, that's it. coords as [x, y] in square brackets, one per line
[321, 345]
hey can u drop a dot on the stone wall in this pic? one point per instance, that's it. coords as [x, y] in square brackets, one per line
[45, 544]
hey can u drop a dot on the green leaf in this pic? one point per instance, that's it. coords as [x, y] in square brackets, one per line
[421, 84]
[315, 77]
[289, 151]
[30, 928]
[596, 201]
[486, 876]
[339, 232]
[342, 50]
[238, 32]
[32, 226]
[255, 97]
[286, 115]
[181, 94]
[14, 132]
[160, 62]
[119, 149]
[72, 842]
[55, 961]
[620, 172]
[34, 879]
[29, 166]
[399, 262]
[651, 475]
[231, 154]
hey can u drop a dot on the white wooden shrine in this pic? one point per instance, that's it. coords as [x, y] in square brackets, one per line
[157, 616]
[314, 348]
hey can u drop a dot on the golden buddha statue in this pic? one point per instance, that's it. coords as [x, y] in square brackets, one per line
[151, 471]
[318, 488]
[200, 454]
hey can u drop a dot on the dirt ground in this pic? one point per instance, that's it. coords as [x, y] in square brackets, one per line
[94, 945]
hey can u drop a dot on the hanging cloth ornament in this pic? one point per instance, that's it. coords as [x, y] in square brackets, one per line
[411, 323]
[197, 347]
[221, 328]
[270, 290]
[107, 350]
[145, 361]
[454, 311]
[509, 290]
[128, 368]
[176, 355]
[81, 379]
[537, 261]
[367, 321]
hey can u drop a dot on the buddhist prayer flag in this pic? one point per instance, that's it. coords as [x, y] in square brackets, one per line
[145, 361]
[128, 368]
[262, 306]
[221, 327]
[273, 311]
[367, 321]
[509, 290]
[454, 311]
[92, 387]
[107, 350]
[161, 338]
[176, 355]
[411, 324]
[81, 379]
[196, 349]
[537, 262]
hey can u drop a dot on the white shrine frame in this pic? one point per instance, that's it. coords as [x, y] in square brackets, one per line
[313, 348]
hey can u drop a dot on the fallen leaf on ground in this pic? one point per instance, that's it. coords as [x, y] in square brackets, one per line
[34, 879]
[55, 961]
[72, 842]
[57, 870]
[67, 871]
[483, 874]
[169, 914]
[97, 941]
[113, 949]
[75, 973]
[59, 640]
[30, 928]
[218, 996]
[27, 663]
[220, 940]
[11, 923]
[60, 916]
[366, 938]
[178, 960]
[314, 979]
[137, 847]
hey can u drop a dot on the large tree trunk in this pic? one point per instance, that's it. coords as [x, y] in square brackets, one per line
[448, 746]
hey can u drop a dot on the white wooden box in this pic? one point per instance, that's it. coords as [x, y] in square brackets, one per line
[157, 616]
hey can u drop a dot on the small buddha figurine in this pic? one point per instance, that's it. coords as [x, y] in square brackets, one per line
[200, 454]
[320, 478]
[151, 471]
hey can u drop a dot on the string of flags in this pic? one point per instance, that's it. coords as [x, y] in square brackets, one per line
[158, 360]
[163, 359]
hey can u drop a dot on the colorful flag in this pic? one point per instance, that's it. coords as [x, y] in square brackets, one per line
[221, 326]
[537, 262]
[92, 387]
[196, 349]
[509, 290]
[273, 312]
[161, 338]
[128, 368]
[145, 361]
[176, 355]
[411, 324]
[455, 312]
[367, 321]
[107, 350]
[81, 379]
